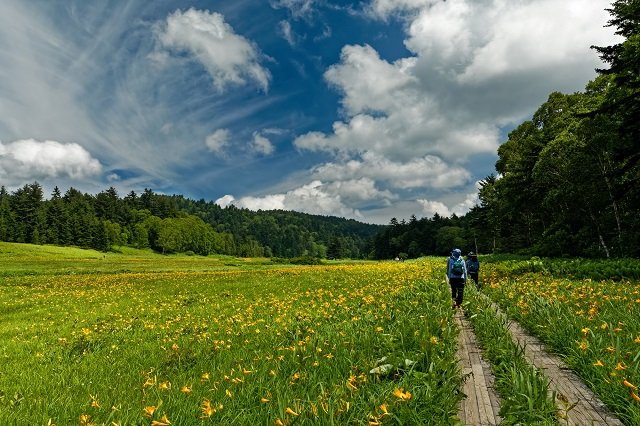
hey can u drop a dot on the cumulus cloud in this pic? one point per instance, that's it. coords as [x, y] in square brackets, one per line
[429, 171]
[357, 191]
[225, 201]
[218, 141]
[31, 159]
[522, 36]
[206, 37]
[431, 207]
[313, 198]
[261, 144]
[390, 113]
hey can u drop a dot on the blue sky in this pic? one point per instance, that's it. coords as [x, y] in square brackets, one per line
[367, 110]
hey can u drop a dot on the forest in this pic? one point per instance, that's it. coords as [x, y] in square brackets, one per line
[567, 184]
[174, 224]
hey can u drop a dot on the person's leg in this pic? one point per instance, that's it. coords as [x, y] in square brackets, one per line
[453, 292]
[460, 294]
[474, 277]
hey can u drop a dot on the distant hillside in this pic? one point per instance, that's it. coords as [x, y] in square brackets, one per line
[175, 224]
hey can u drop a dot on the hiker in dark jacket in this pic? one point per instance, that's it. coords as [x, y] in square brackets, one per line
[457, 276]
[473, 267]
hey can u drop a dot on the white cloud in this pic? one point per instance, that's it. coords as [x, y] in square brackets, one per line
[298, 8]
[218, 141]
[367, 81]
[228, 57]
[287, 32]
[431, 207]
[31, 160]
[313, 198]
[547, 36]
[262, 145]
[225, 200]
[391, 114]
[385, 8]
[429, 171]
[355, 191]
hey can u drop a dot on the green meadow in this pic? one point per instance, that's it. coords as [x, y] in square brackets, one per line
[136, 338]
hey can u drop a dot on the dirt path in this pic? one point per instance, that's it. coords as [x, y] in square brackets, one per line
[577, 404]
[481, 404]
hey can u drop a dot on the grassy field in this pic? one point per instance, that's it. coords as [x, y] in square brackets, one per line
[140, 339]
[137, 338]
[26, 259]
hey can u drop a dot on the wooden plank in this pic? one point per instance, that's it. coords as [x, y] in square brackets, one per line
[481, 404]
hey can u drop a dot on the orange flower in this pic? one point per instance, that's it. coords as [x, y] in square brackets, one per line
[400, 394]
[351, 383]
[290, 411]
[629, 385]
[163, 422]
[186, 389]
[148, 411]
[94, 401]
[598, 363]
[207, 409]
[634, 396]
[279, 422]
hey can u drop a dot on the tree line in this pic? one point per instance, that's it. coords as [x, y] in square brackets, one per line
[174, 224]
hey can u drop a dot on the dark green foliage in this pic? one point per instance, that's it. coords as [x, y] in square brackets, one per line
[611, 269]
[434, 236]
[283, 233]
[174, 224]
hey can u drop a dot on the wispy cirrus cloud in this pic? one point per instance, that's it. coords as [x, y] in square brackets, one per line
[79, 71]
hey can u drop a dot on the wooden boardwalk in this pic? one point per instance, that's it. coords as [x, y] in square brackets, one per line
[577, 404]
[480, 405]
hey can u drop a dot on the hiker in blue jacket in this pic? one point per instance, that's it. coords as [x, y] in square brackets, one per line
[473, 267]
[457, 276]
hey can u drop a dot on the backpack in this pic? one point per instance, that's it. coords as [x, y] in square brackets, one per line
[458, 266]
[473, 266]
